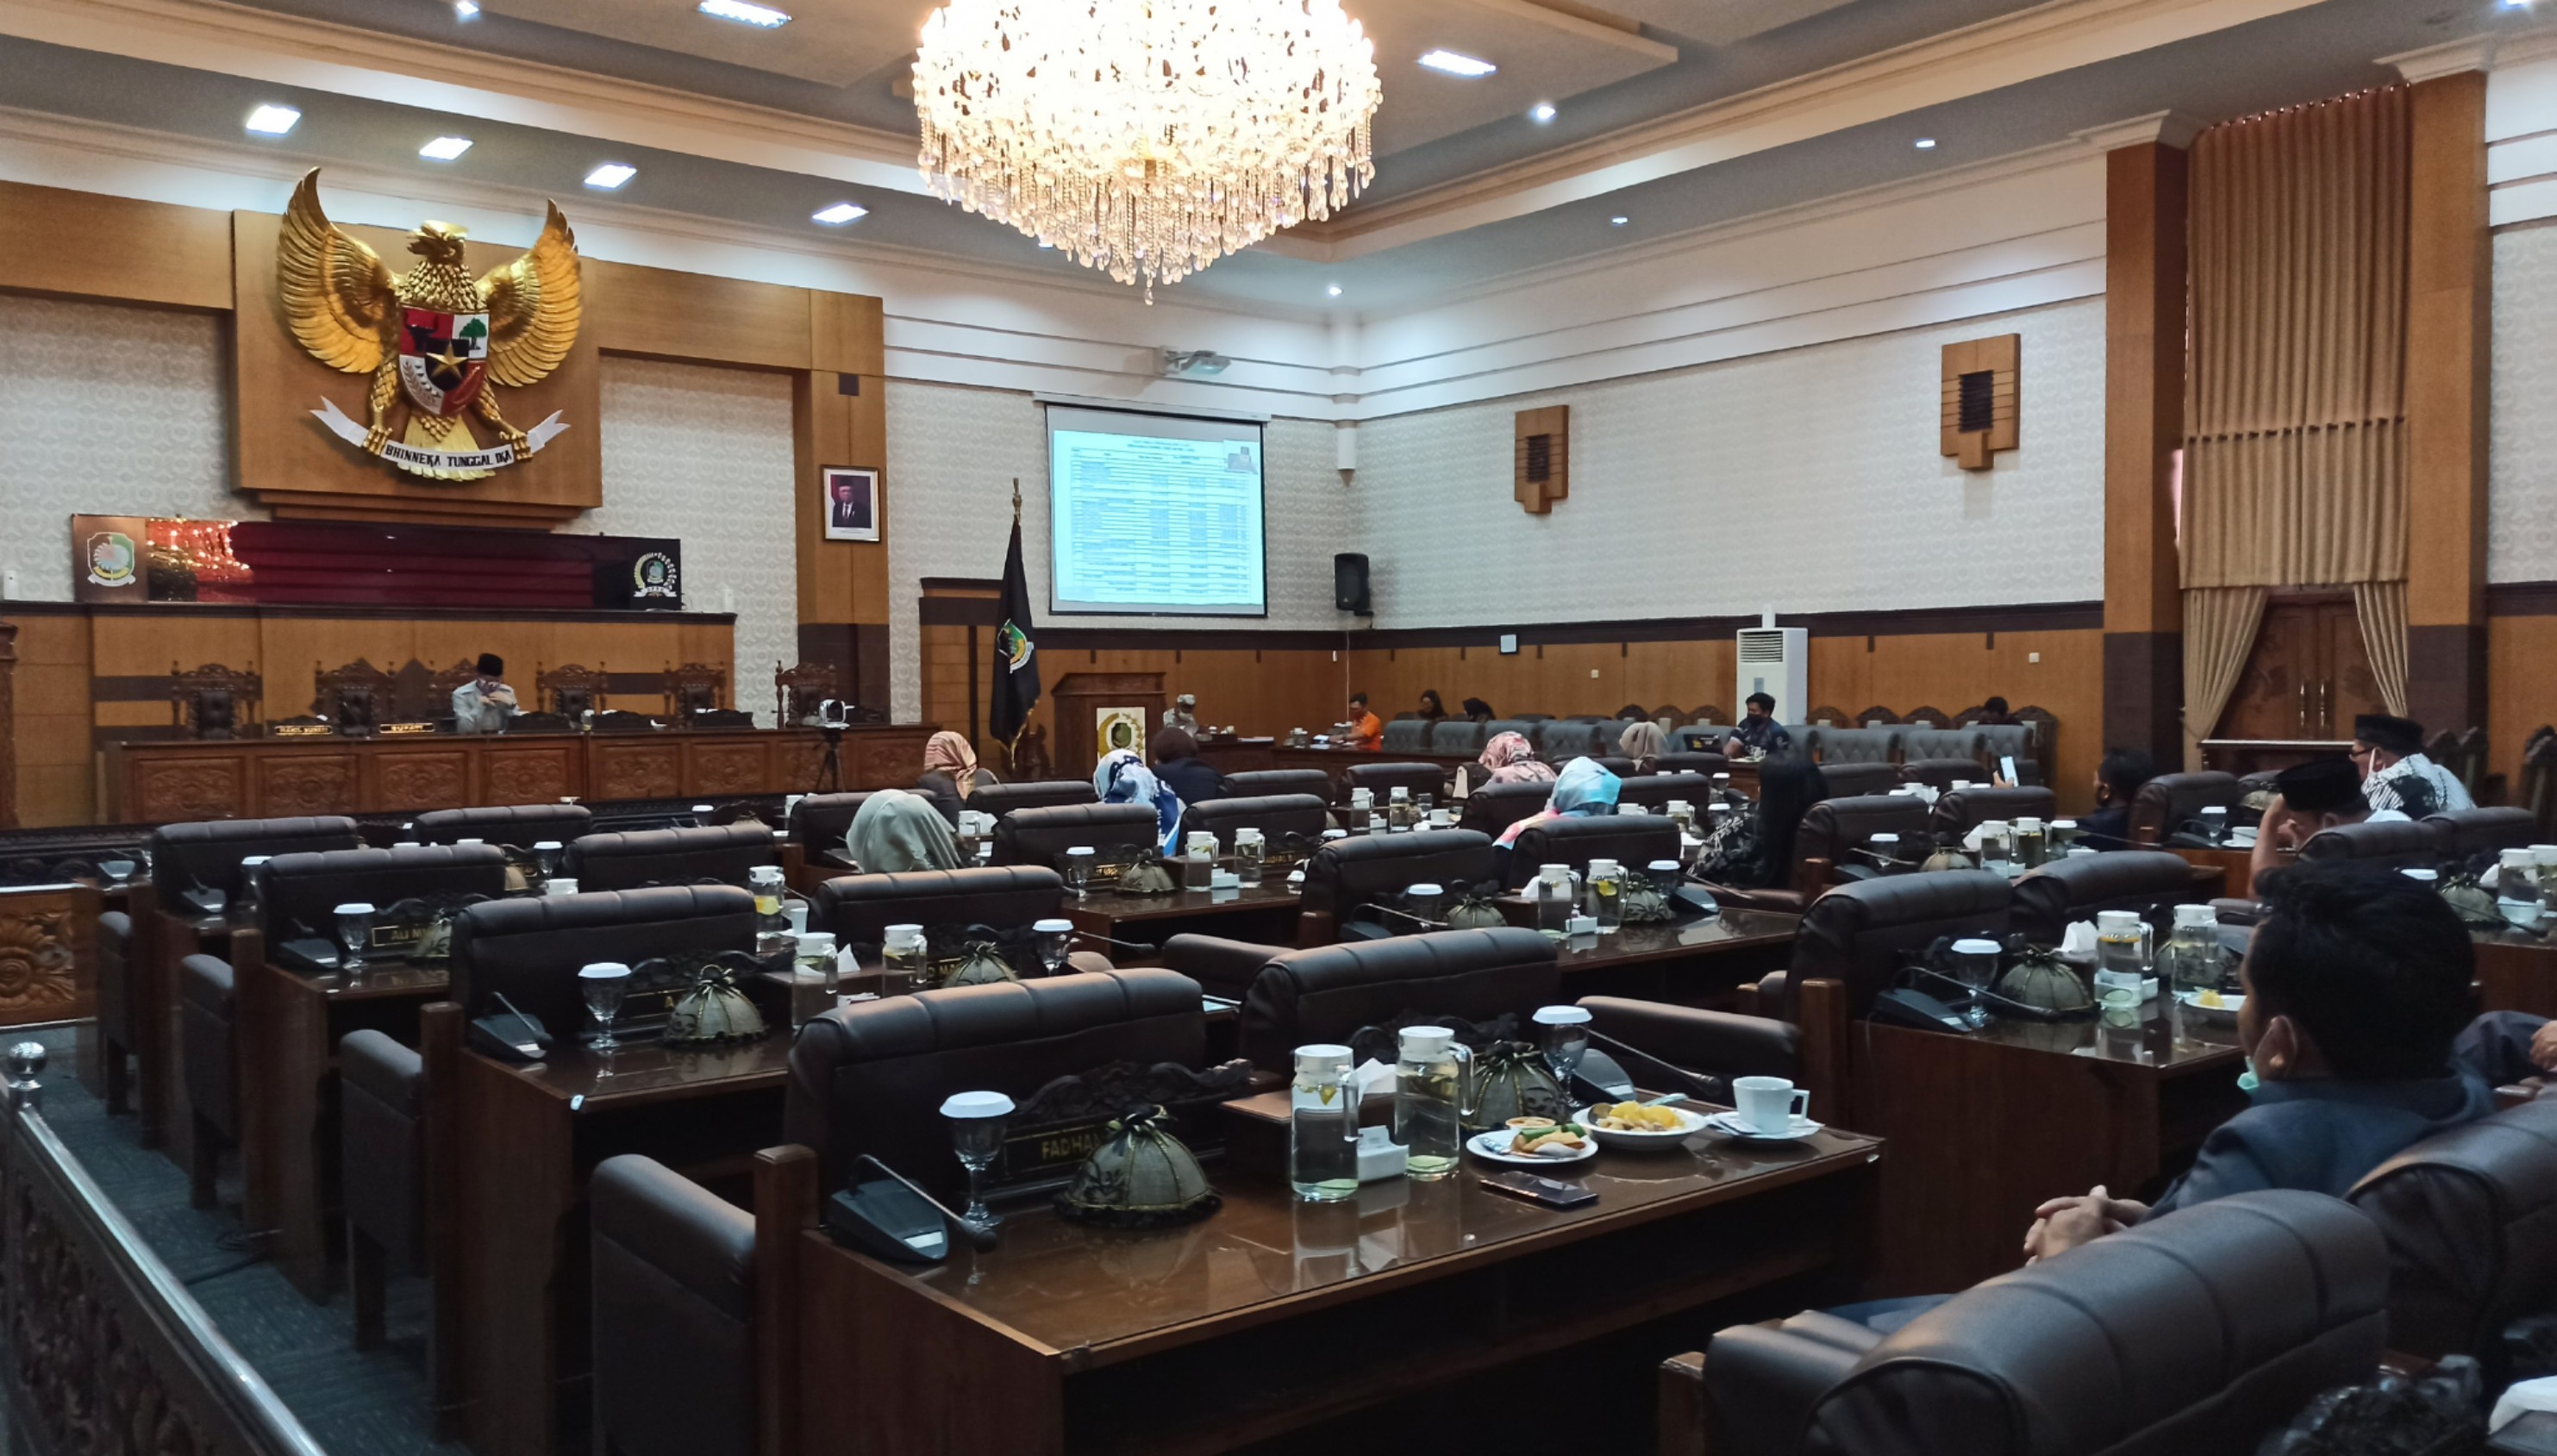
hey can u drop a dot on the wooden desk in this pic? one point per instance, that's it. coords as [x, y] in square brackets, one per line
[2236, 869]
[1272, 1314]
[265, 779]
[1984, 1128]
[1696, 964]
[528, 1135]
[1236, 756]
[1264, 913]
[2516, 972]
[290, 1024]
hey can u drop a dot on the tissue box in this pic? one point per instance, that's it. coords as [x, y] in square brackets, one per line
[1379, 1155]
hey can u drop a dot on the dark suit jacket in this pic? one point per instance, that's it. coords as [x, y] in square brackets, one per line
[1194, 779]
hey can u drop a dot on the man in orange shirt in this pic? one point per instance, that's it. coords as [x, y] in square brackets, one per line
[1367, 731]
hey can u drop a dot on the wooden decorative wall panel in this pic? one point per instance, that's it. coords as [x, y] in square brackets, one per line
[46, 954]
[636, 768]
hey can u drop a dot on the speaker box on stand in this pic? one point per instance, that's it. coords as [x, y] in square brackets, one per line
[1349, 583]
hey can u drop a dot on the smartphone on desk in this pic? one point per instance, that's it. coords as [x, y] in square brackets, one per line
[1541, 1191]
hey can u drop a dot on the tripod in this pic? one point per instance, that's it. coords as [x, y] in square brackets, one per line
[830, 769]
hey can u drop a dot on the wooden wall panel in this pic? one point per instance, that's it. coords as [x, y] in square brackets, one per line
[89, 245]
[56, 782]
[694, 316]
[2521, 695]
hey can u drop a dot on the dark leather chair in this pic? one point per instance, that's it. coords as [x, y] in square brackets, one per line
[521, 826]
[1826, 844]
[1349, 873]
[1957, 811]
[1919, 745]
[530, 950]
[819, 824]
[2462, 834]
[1002, 799]
[1493, 808]
[1458, 736]
[871, 1077]
[1860, 780]
[1940, 774]
[299, 894]
[673, 1273]
[1385, 778]
[381, 1111]
[1860, 934]
[1406, 736]
[1564, 739]
[856, 909]
[725, 853]
[1704, 763]
[206, 856]
[1525, 727]
[1574, 840]
[2203, 1331]
[208, 1040]
[1616, 764]
[1844, 746]
[1655, 790]
[1262, 783]
[1328, 993]
[2162, 806]
[2010, 741]
[115, 1034]
[2471, 1220]
[2394, 842]
[1042, 836]
[2044, 901]
[1273, 814]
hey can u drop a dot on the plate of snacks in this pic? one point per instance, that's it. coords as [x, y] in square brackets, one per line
[2211, 1006]
[1535, 1141]
[1632, 1126]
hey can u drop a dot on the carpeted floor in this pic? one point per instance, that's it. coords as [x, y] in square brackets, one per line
[372, 1403]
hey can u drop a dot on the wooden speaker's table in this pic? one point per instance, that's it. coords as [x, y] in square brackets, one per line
[270, 778]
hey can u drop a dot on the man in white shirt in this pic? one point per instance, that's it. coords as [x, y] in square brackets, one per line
[2395, 774]
[483, 704]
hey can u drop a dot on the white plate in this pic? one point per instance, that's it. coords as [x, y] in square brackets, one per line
[1689, 1123]
[2226, 1011]
[1495, 1145]
[1730, 1125]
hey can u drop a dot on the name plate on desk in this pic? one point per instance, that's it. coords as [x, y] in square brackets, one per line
[299, 730]
[1064, 1122]
[406, 729]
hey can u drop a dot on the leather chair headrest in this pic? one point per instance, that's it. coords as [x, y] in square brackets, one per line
[521, 826]
[299, 894]
[1346, 874]
[1843, 746]
[2199, 1331]
[2463, 833]
[856, 909]
[1575, 839]
[1704, 763]
[1860, 780]
[1273, 815]
[1493, 808]
[1941, 773]
[1834, 828]
[206, 855]
[1959, 809]
[1385, 778]
[1329, 992]
[2471, 1219]
[1042, 836]
[631, 860]
[2161, 806]
[1861, 933]
[2380, 842]
[1653, 791]
[819, 822]
[2046, 899]
[1265, 782]
[1002, 799]
[530, 950]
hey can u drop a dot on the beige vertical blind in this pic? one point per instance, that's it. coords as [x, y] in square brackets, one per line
[2295, 459]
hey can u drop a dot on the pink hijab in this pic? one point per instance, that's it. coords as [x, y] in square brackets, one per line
[947, 752]
[1512, 761]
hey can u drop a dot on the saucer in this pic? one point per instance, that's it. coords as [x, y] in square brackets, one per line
[1730, 1125]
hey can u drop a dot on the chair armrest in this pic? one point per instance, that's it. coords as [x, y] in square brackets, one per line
[1223, 967]
[2238, 912]
[1714, 1043]
[1681, 1414]
[1760, 1385]
[1088, 962]
[1782, 901]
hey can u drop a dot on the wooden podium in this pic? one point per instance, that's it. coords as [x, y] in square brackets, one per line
[1083, 697]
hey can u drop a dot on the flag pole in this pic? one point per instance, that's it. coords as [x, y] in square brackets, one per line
[1012, 746]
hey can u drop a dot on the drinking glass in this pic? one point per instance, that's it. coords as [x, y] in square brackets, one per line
[1055, 943]
[355, 934]
[1665, 875]
[1566, 1040]
[603, 985]
[1250, 852]
[1976, 963]
[546, 856]
[117, 872]
[1078, 870]
[977, 1136]
[1422, 903]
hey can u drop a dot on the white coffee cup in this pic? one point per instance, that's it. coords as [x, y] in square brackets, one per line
[1768, 1105]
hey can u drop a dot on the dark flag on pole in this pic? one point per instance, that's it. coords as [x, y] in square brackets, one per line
[1016, 673]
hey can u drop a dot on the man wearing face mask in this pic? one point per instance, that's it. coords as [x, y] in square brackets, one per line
[2356, 991]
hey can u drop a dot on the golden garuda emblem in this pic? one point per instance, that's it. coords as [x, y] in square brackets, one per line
[434, 337]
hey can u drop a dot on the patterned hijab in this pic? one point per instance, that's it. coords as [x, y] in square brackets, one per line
[948, 753]
[1583, 788]
[1124, 778]
[1642, 740]
[1512, 761]
[894, 832]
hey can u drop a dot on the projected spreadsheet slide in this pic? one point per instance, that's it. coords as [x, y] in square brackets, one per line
[1149, 521]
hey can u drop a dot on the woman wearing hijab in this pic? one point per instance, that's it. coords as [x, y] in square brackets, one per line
[1643, 742]
[895, 830]
[1124, 778]
[1583, 788]
[1506, 759]
[950, 775]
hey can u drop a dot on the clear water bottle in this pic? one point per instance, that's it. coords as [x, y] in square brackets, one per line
[2199, 961]
[814, 978]
[1428, 1077]
[1250, 849]
[1198, 862]
[903, 958]
[1322, 1125]
[764, 880]
[2032, 842]
[1557, 893]
[1607, 895]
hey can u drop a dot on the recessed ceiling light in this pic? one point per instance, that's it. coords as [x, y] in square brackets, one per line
[466, 9]
[1334, 290]
[840, 213]
[763, 17]
[1541, 112]
[1455, 65]
[1618, 222]
[1045, 247]
[1926, 144]
[611, 174]
[445, 149]
[273, 121]
[2516, 4]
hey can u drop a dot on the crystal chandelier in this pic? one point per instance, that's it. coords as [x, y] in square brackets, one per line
[1148, 138]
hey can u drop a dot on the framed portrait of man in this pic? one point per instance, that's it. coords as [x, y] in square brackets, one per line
[850, 502]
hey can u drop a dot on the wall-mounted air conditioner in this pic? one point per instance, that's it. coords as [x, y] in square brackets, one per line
[1775, 661]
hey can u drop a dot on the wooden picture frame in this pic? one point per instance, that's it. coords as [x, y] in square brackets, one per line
[847, 498]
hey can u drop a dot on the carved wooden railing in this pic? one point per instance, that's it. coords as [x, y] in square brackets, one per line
[102, 1351]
